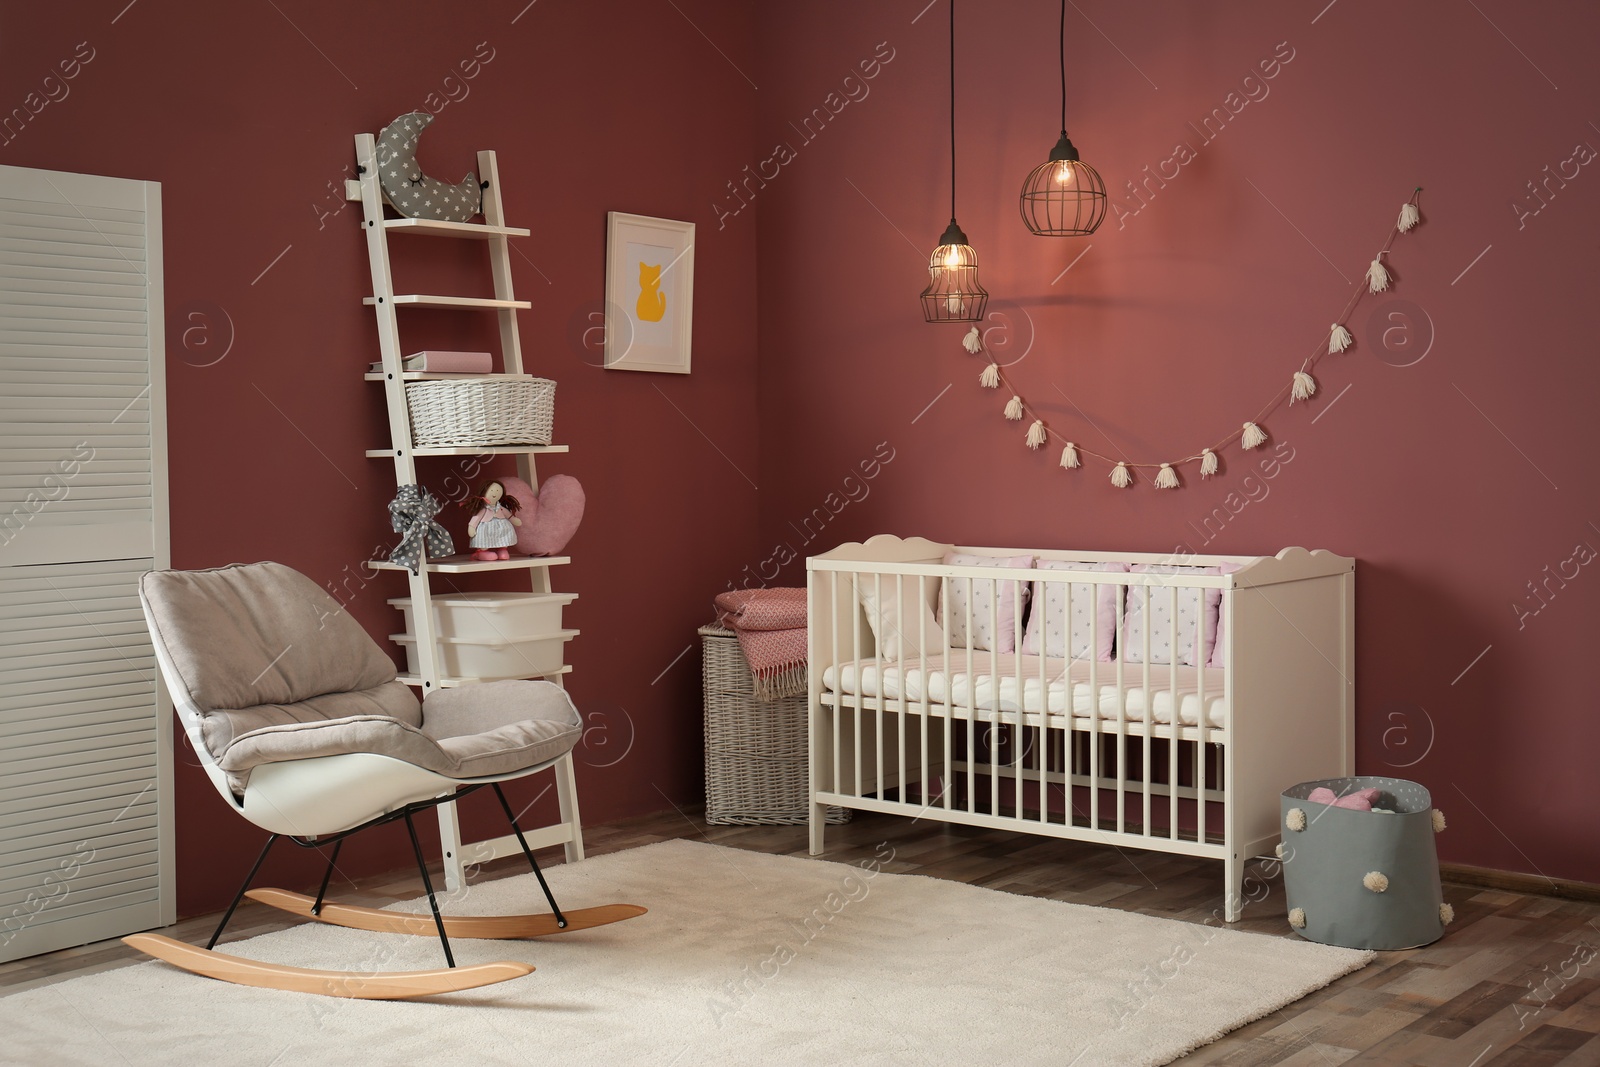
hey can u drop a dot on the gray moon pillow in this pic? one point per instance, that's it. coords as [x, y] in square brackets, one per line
[407, 189]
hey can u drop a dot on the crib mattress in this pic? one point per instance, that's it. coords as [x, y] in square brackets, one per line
[990, 683]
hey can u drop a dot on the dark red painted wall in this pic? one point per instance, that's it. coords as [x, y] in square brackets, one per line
[1455, 480]
[246, 115]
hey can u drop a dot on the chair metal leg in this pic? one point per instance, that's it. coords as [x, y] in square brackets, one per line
[561, 920]
[271, 840]
[322, 891]
[427, 883]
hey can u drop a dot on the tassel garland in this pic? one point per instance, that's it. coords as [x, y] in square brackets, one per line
[1339, 340]
[1303, 386]
[1377, 277]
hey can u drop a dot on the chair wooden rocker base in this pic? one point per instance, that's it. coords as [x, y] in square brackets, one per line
[381, 985]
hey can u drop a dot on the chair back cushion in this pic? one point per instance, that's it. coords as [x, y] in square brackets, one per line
[260, 644]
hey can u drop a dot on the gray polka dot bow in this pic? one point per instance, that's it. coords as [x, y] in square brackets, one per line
[411, 514]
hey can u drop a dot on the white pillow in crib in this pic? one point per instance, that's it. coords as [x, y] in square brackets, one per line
[1194, 612]
[983, 606]
[896, 621]
[1049, 609]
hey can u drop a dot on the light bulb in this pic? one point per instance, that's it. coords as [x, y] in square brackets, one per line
[952, 258]
[1064, 173]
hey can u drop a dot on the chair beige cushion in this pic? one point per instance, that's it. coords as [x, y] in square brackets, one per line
[482, 730]
[278, 671]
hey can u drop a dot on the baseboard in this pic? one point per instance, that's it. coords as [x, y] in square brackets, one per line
[1517, 882]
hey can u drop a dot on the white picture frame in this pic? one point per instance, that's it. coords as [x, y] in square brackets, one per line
[649, 293]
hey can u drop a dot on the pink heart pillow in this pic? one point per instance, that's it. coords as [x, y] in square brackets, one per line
[549, 517]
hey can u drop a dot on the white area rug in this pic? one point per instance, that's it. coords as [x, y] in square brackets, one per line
[744, 958]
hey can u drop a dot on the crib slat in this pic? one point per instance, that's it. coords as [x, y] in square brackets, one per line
[837, 782]
[972, 711]
[995, 715]
[1041, 756]
[1177, 719]
[946, 786]
[1202, 718]
[1149, 711]
[1019, 737]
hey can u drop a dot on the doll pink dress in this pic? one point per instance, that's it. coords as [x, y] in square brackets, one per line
[493, 528]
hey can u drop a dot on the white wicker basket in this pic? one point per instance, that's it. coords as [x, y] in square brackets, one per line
[755, 752]
[487, 411]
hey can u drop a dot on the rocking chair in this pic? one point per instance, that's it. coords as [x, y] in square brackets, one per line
[298, 719]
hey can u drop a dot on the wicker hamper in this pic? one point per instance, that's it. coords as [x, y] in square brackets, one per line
[755, 752]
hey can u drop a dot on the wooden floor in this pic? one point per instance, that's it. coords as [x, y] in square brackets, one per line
[1516, 980]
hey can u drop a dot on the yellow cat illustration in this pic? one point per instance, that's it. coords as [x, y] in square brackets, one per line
[652, 301]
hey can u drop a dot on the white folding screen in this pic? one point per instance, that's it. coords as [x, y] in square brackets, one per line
[85, 732]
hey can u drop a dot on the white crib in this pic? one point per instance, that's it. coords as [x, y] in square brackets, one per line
[1185, 757]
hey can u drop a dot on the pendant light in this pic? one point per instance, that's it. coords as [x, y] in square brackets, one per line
[1063, 196]
[953, 293]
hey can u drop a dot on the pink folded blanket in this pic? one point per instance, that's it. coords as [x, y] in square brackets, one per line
[771, 627]
[1360, 800]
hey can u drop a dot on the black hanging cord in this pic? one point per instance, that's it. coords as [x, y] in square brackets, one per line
[953, 109]
[1061, 39]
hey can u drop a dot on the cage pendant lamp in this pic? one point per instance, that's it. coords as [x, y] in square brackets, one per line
[1063, 196]
[953, 293]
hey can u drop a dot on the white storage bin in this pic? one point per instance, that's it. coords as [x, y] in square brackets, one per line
[527, 658]
[492, 616]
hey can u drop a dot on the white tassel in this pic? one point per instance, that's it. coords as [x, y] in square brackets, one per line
[1377, 277]
[1253, 436]
[1014, 409]
[1069, 457]
[1208, 463]
[1037, 434]
[973, 341]
[1303, 388]
[1339, 339]
[1120, 477]
[1167, 478]
[1409, 216]
[990, 378]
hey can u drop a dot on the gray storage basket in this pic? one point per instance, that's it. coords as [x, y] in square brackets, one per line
[756, 752]
[1361, 879]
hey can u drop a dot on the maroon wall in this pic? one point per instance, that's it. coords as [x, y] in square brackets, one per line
[1456, 468]
[245, 115]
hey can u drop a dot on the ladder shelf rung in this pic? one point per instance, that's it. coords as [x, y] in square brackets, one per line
[422, 301]
[463, 563]
[436, 228]
[473, 450]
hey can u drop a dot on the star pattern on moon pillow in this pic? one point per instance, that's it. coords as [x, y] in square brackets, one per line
[407, 189]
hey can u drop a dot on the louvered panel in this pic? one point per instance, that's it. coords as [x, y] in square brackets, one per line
[90, 673]
[27, 794]
[19, 725]
[56, 736]
[18, 617]
[85, 736]
[36, 827]
[24, 867]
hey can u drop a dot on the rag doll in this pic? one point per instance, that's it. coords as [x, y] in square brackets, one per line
[493, 529]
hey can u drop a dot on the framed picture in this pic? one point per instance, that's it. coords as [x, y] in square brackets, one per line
[649, 293]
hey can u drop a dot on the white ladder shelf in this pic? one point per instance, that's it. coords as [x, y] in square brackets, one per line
[427, 678]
